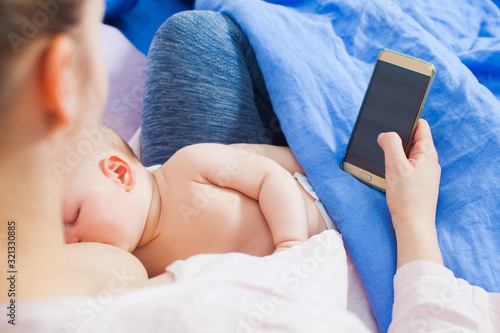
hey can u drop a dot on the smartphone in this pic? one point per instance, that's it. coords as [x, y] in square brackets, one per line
[393, 102]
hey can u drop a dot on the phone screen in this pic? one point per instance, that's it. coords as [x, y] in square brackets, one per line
[391, 103]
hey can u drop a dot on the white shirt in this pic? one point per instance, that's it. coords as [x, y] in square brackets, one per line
[303, 289]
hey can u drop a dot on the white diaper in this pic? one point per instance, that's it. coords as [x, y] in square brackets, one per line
[153, 168]
[304, 181]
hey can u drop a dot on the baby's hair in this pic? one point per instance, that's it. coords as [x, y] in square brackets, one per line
[115, 142]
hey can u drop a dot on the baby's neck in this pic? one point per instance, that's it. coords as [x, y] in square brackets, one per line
[153, 227]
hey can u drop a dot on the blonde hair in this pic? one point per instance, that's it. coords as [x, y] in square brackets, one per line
[22, 21]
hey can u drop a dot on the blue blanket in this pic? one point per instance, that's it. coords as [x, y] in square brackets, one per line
[317, 56]
[139, 20]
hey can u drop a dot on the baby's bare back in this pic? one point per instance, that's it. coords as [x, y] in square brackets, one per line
[200, 217]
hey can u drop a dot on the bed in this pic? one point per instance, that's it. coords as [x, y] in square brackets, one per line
[325, 50]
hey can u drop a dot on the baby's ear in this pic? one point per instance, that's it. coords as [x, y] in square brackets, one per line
[119, 171]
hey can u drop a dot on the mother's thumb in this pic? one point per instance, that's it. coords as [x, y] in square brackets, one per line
[392, 146]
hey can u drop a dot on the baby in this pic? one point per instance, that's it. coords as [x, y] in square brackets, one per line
[207, 198]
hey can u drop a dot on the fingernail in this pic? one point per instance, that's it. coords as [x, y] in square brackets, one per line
[379, 136]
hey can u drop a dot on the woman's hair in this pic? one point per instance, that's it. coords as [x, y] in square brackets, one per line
[22, 21]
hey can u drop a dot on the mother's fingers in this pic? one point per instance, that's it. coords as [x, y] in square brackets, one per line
[423, 140]
[395, 158]
[423, 131]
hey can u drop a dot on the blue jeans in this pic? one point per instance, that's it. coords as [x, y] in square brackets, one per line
[203, 84]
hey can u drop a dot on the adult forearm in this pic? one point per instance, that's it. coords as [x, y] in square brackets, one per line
[417, 241]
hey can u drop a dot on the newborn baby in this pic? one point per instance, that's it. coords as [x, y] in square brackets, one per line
[207, 198]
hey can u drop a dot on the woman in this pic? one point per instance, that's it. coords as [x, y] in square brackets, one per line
[52, 92]
[53, 88]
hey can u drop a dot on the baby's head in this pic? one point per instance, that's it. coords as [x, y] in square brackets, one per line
[107, 198]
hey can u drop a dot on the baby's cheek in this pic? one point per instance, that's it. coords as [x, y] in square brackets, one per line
[123, 243]
[69, 236]
[121, 235]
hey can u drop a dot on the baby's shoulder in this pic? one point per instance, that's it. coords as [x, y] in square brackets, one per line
[198, 151]
[178, 175]
[189, 161]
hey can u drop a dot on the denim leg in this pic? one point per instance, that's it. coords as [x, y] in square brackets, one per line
[203, 84]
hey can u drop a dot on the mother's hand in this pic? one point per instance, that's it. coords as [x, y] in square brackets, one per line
[412, 187]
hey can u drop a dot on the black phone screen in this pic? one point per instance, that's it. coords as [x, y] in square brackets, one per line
[391, 103]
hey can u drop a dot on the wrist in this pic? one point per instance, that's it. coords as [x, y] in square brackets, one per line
[413, 222]
[416, 227]
[417, 242]
[288, 244]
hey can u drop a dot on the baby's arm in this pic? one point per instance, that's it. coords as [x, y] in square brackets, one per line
[257, 177]
[281, 155]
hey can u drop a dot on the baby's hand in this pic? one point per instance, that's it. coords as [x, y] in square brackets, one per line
[286, 245]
